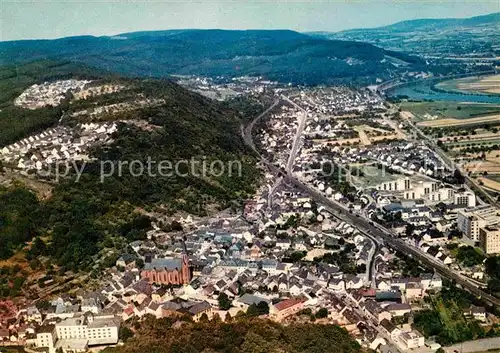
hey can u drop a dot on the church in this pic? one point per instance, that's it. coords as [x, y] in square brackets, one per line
[173, 271]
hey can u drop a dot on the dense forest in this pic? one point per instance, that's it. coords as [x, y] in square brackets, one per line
[239, 335]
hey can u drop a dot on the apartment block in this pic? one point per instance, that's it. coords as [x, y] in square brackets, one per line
[489, 239]
[470, 220]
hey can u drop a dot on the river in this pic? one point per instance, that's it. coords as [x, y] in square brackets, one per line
[422, 91]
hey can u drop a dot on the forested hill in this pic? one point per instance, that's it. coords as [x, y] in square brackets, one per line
[89, 219]
[280, 55]
[240, 335]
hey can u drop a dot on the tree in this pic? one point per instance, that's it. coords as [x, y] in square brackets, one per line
[260, 309]
[176, 226]
[38, 248]
[410, 228]
[361, 268]
[224, 302]
[322, 313]
[263, 308]
[34, 264]
[459, 178]
[297, 256]
[125, 333]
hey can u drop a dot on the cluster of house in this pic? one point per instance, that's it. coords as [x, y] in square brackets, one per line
[408, 158]
[97, 113]
[48, 93]
[57, 144]
[93, 90]
[317, 106]
[222, 88]
[337, 100]
[480, 224]
[277, 138]
[326, 129]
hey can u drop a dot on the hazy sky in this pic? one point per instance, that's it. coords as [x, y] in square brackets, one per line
[20, 19]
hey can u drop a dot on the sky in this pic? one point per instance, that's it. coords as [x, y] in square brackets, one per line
[36, 19]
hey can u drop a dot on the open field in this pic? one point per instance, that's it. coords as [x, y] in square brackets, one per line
[442, 123]
[482, 166]
[421, 111]
[491, 156]
[483, 84]
[494, 178]
[365, 175]
[479, 137]
[490, 165]
[490, 184]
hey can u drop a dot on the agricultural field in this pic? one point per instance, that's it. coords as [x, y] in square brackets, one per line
[423, 111]
[479, 136]
[490, 182]
[366, 134]
[453, 122]
[495, 178]
[483, 84]
[365, 175]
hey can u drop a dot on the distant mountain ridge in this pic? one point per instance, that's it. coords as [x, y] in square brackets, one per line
[428, 23]
[446, 36]
[281, 55]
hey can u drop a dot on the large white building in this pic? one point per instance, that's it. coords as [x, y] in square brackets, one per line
[428, 189]
[470, 220]
[411, 340]
[401, 184]
[464, 198]
[77, 333]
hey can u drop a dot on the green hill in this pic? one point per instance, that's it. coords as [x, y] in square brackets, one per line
[84, 218]
[280, 55]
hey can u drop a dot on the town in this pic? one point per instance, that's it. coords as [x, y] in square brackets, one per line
[359, 222]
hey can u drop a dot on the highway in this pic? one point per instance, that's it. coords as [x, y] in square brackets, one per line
[298, 134]
[376, 232]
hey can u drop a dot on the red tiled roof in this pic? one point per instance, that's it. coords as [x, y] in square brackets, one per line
[129, 310]
[288, 303]
[368, 292]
